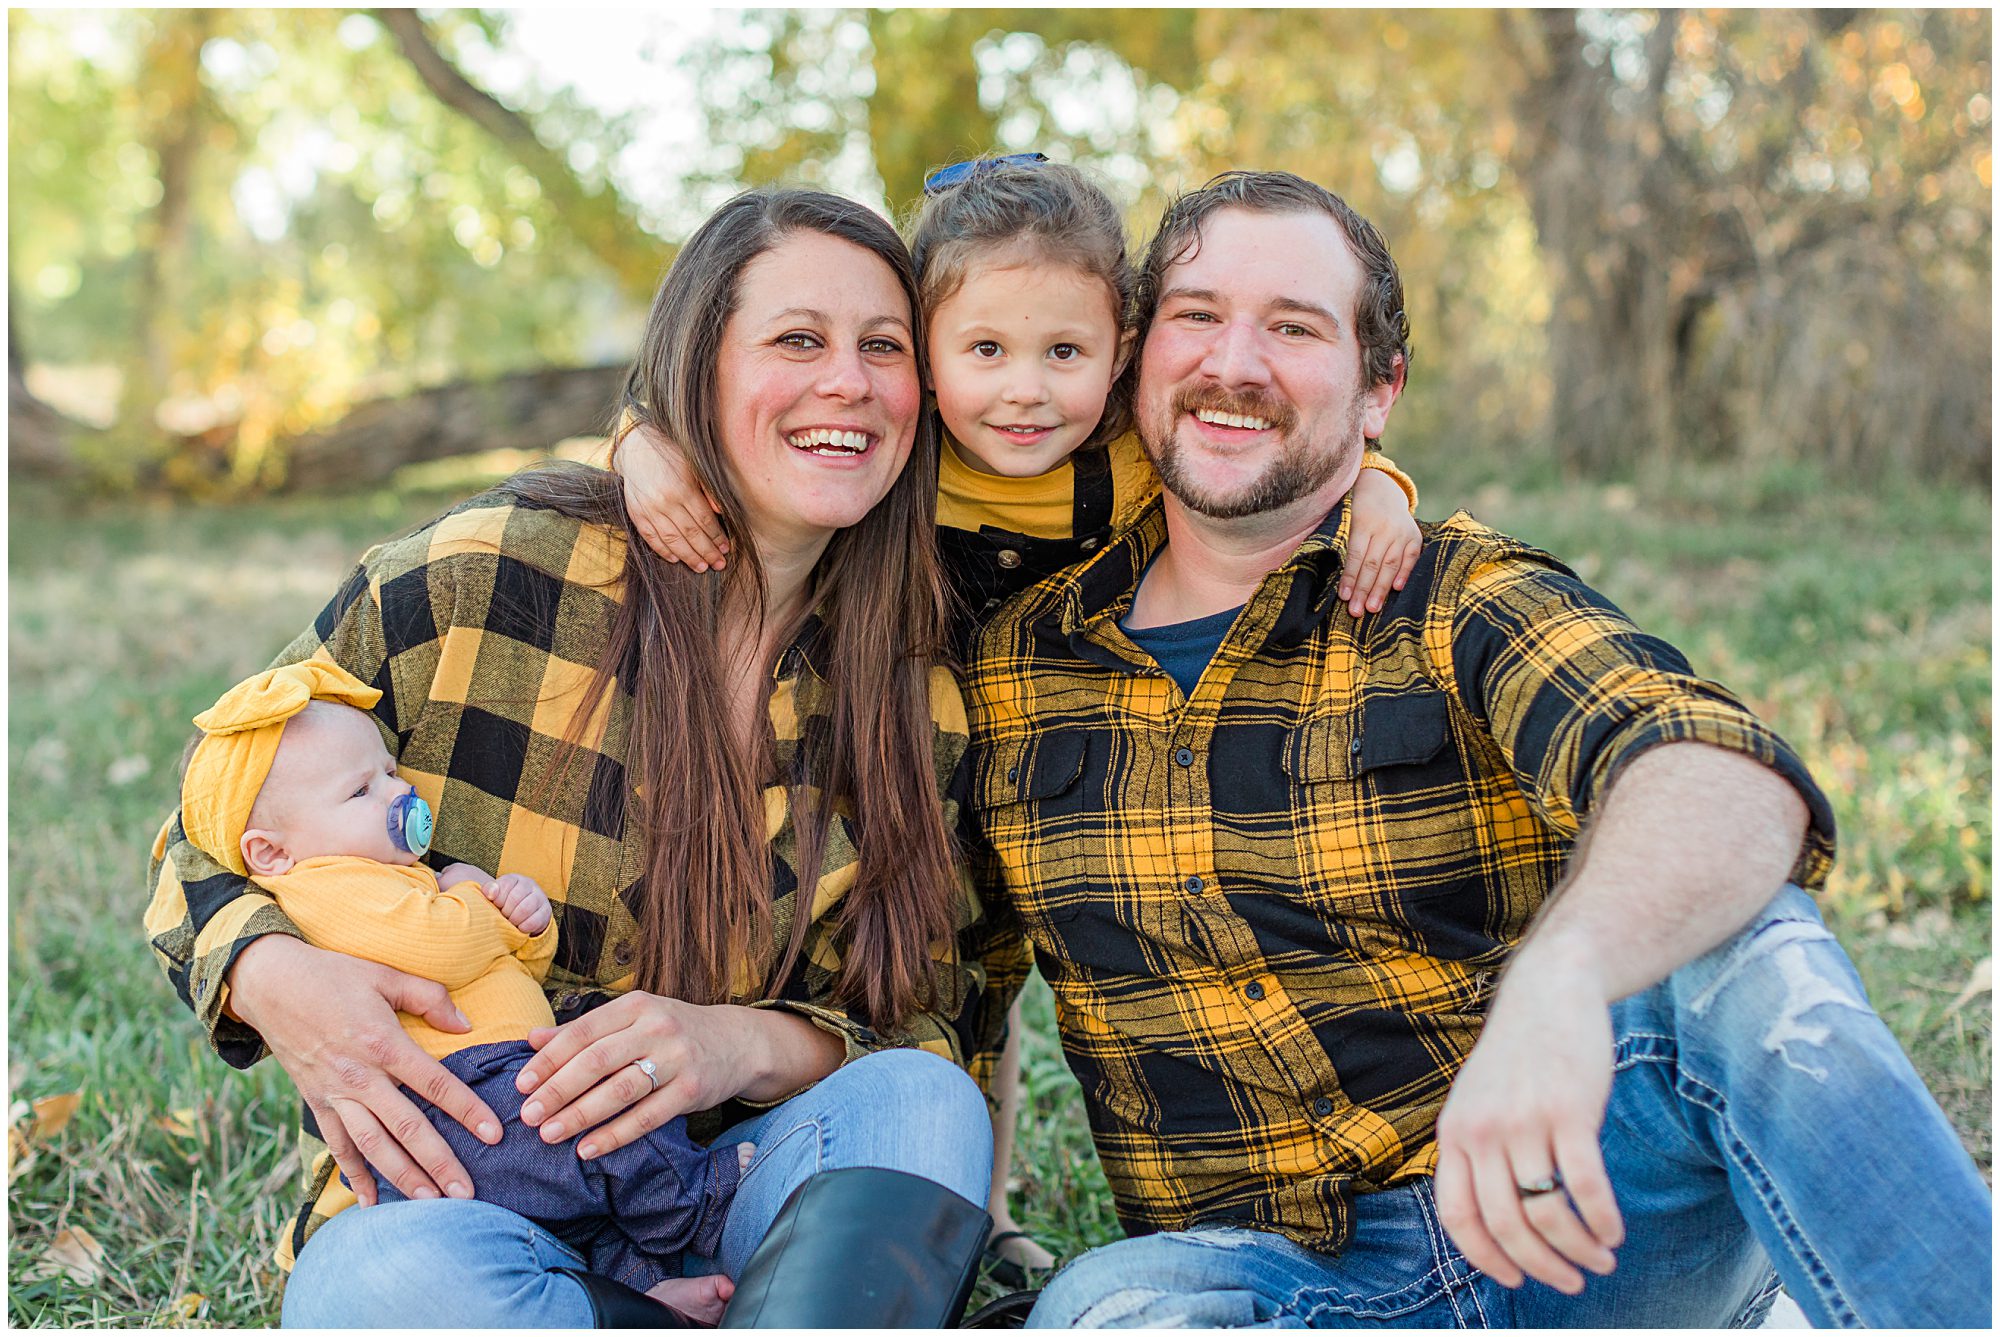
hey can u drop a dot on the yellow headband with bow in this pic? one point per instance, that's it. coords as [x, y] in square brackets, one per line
[230, 765]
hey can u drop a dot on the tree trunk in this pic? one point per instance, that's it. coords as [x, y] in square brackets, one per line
[530, 410]
[1616, 226]
[174, 59]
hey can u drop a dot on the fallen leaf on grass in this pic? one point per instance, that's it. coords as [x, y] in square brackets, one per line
[52, 1114]
[20, 1155]
[179, 1122]
[190, 1304]
[1980, 981]
[73, 1254]
[32, 1125]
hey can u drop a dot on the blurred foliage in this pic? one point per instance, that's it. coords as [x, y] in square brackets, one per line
[348, 236]
[1694, 236]
[1714, 234]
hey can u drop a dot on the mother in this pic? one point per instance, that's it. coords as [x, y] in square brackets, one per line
[733, 786]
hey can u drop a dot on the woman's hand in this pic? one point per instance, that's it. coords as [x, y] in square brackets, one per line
[1382, 543]
[330, 1020]
[585, 1077]
[671, 511]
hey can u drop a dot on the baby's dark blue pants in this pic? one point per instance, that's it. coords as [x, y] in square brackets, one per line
[630, 1212]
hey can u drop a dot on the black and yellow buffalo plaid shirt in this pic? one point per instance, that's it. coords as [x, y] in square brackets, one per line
[1272, 912]
[482, 630]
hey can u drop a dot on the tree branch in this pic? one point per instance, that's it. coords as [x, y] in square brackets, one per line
[599, 218]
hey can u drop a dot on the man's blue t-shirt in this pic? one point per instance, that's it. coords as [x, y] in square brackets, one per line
[1183, 649]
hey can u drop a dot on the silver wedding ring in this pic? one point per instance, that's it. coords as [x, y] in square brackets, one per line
[645, 1065]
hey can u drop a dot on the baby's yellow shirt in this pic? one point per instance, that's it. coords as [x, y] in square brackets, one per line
[397, 916]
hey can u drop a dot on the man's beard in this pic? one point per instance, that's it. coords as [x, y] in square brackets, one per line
[1298, 469]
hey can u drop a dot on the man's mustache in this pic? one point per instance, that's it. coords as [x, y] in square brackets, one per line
[1243, 403]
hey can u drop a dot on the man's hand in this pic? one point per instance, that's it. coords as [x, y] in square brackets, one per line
[1526, 1107]
[521, 899]
[330, 1020]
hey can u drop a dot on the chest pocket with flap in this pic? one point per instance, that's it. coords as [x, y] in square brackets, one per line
[1042, 767]
[1391, 728]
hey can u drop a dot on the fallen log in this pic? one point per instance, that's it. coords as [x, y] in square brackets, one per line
[528, 410]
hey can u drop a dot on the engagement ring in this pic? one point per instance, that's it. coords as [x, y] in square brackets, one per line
[645, 1065]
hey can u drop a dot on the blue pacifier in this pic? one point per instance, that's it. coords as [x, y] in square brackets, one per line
[410, 824]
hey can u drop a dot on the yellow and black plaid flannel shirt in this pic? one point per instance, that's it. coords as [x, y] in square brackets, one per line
[482, 630]
[1272, 913]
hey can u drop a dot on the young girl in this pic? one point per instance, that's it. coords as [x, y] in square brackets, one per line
[1025, 287]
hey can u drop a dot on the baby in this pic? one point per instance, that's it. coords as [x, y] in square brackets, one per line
[292, 787]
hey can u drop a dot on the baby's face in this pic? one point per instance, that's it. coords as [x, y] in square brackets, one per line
[330, 787]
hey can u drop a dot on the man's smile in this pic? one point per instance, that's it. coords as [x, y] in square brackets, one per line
[1240, 420]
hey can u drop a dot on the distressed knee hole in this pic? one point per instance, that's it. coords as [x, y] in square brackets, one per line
[1794, 986]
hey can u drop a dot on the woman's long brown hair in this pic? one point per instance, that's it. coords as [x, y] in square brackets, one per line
[708, 890]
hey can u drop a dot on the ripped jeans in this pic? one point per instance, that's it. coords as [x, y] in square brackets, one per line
[1761, 1116]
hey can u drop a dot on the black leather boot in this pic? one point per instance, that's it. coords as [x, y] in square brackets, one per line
[863, 1248]
[613, 1304]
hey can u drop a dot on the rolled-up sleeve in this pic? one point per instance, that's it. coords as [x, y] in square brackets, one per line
[1570, 690]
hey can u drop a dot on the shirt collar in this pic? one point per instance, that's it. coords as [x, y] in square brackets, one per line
[807, 650]
[1107, 582]
[1098, 593]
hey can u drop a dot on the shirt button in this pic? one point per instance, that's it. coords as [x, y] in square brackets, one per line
[1322, 1107]
[1008, 559]
[1192, 884]
[622, 953]
[1089, 545]
[1184, 755]
[1013, 773]
[1255, 991]
[1354, 748]
[566, 1002]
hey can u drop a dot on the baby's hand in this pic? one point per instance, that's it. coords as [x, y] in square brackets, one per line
[453, 874]
[524, 903]
[671, 511]
[1382, 543]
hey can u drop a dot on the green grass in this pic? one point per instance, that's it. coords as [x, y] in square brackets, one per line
[1857, 622]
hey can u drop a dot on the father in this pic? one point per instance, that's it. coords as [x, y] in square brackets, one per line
[1273, 860]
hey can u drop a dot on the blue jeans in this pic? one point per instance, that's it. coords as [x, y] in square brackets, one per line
[445, 1262]
[1760, 1115]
